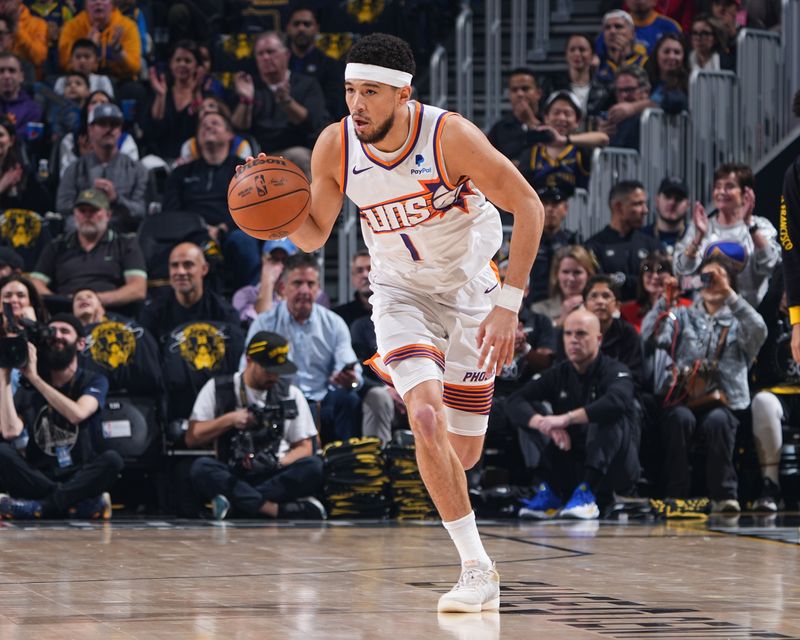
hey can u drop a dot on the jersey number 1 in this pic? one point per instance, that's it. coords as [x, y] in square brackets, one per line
[411, 248]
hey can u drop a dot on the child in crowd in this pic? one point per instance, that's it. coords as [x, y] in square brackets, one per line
[84, 60]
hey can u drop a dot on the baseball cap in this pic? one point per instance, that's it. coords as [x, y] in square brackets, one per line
[284, 243]
[564, 95]
[108, 111]
[271, 351]
[673, 185]
[69, 319]
[556, 191]
[10, 258]
[94, 198]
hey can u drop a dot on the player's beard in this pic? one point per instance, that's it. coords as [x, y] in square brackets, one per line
[380, 132]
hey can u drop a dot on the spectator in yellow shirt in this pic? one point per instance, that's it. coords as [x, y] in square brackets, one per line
[30, 33]
[116, 37]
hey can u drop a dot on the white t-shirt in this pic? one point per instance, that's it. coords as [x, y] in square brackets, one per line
[294, 430]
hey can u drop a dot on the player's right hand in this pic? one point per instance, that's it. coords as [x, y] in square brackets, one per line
[496, 340]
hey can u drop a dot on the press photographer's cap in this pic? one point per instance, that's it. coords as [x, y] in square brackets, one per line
[69, 319]
[94, 198]
[674, 186]
[10, 258]
[271, 351]
[108, 111]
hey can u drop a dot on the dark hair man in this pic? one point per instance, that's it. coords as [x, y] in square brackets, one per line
[61, 470]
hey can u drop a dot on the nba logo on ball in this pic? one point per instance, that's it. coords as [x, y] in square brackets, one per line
[269, 213]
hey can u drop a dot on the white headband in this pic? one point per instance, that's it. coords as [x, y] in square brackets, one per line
[392, 77]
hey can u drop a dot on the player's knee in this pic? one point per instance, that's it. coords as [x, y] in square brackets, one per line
[425, 424]
[468, 459]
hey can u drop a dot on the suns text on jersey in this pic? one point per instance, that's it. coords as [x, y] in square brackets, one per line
[410, 210]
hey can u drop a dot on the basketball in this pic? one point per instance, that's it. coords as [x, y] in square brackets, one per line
[270, 198]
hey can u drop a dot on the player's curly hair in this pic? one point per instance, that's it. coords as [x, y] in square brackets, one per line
[383, 50]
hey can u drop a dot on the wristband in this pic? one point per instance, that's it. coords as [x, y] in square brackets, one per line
[510, 298]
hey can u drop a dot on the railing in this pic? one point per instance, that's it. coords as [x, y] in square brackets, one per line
[438, 77]
[714, 105]
[464, 63]
[541, 30]
[764, 109]
[664, 147]
[609, 166]
[578, 213]
[519, 33]
[790, 21]
[493, 73]
[347, 239]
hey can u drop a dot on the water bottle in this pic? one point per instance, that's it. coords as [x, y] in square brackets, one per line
[43, 173]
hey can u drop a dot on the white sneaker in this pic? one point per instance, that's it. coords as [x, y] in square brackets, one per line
[476, 590]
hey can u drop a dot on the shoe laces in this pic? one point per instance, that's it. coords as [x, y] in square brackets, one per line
[472, 578]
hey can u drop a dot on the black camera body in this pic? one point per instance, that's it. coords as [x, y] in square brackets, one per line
[14, 349]
[255, 450]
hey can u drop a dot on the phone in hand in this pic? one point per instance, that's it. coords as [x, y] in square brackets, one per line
[706, 280]
[350, 366]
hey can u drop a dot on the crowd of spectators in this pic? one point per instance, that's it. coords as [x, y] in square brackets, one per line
[121, 125]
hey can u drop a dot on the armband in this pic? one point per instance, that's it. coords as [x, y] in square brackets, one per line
[510, 298]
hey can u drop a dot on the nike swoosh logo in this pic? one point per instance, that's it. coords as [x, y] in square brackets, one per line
[490, 289]
[356, 171]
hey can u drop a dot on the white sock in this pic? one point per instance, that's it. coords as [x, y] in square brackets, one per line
[464, 533]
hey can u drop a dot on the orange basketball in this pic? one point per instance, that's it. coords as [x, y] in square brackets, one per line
[270, 198]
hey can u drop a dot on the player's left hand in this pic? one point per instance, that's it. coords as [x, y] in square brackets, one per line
[496, 340]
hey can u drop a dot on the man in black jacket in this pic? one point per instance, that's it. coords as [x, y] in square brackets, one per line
[577, 420]
[621, 246]
[201, 186]
[284, 111]
[790, 237]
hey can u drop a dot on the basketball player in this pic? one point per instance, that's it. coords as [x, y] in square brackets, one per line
[444, 325]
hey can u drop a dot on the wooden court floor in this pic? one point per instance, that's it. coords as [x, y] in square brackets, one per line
[180, 579]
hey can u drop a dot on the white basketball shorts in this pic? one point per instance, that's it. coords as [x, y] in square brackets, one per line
[433, 337]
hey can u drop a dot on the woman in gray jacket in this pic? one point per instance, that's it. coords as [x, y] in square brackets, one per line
[718, 320]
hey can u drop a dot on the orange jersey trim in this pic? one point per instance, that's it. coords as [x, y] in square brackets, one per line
[415, 351]
[344, 138]
[438, 156]
[496, 270]
[416, 128]
[471, 399]
[378, 371]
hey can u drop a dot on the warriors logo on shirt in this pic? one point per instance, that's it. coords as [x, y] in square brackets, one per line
[432, 201]
[112, 344]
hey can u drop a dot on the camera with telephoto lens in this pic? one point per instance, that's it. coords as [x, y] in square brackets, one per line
[255, 450]
[14, 348]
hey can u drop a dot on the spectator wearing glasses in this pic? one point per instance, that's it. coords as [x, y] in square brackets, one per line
[651, 286]
[104, 168]
[284, 111]
[705, 43]
[622, 120]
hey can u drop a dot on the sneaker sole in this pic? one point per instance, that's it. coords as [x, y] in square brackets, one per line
[530, 514]
[581, 514]
[452, 606]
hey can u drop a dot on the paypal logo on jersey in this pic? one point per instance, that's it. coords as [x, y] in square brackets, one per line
[418, 160]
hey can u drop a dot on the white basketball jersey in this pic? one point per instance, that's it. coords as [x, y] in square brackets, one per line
[422, 230]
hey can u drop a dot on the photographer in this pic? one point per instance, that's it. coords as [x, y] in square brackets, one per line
[60, 470]
[264, 435]
[720, 331]
[23, 304]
